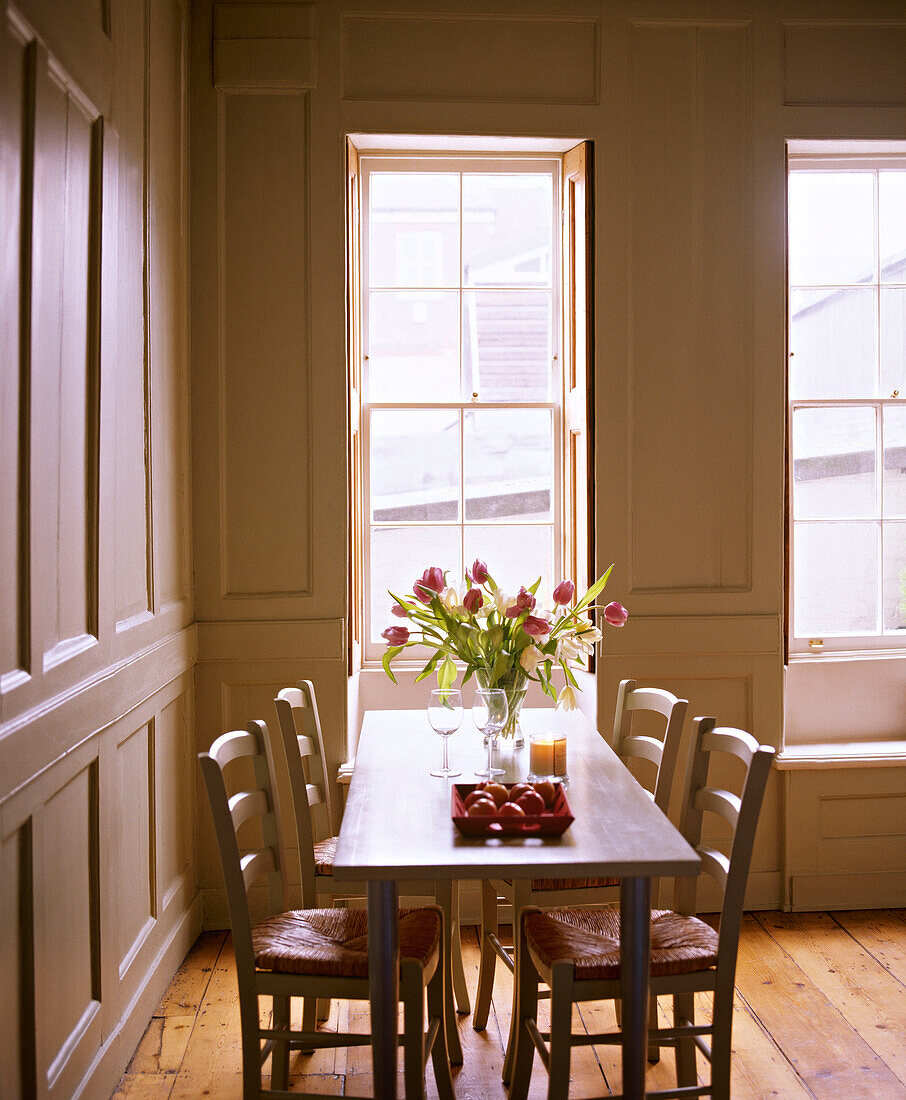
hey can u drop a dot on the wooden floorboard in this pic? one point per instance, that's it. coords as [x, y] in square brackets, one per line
[820, 1013]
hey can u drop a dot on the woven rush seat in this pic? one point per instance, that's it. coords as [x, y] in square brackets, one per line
[590, 940]
[572, 883]
[325, 852]
[334, 942]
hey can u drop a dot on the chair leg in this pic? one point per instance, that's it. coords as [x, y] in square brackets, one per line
[412, 992]
[654, 1051]
[488, 960]
[520, 900]
[684, 1009]
[280, 1050]
[443, 894]
[440, 1058]
[309, 1019]
[526, 1009]
[322, 1012]
[460, 989]
[561, 1030]
[721, 1039]
[251, 1045]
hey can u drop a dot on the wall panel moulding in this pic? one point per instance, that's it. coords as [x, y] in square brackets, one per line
[265, 47]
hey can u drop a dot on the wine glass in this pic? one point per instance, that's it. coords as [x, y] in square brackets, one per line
[489, 711]
[445, 715]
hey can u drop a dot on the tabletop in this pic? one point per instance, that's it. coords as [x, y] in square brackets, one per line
[397, 824]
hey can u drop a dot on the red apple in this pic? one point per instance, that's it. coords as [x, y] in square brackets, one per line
[482, 807]
[473, 796]
[511, 809]
[519, 789]
[547, 790]
[531, 802]
[498, 792]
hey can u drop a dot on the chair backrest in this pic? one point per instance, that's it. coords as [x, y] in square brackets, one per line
[739, 811]
[300, 748]
[255, 800]
[662, 752]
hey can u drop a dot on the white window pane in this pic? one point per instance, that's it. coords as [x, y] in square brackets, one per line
[895, 461]
[831, 219]
[506, 230]
[892, 214]
[515, 556]
[834, 462]
[506, 338]
[836, 578]
[895, 576]
[893, 342]
[508, 463]
[832, 341]
[414, 229]
[414, 466]
[413, 346]
[399, 556]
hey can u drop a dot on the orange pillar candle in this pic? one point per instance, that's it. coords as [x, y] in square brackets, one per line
[547, 754]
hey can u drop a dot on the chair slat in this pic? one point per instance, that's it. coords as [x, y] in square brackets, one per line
[724, 803]
[726, 739]
[245, 805]
[315, 794]
[715, 863]
[646, 748]
[306, 745]
[230, 746]
[256, 863]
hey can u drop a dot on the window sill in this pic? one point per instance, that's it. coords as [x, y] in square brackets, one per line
[842, 754]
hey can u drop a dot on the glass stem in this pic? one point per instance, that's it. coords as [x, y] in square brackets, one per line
[490, 751]
[446, 766]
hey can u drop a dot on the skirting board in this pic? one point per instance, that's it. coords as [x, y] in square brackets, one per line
[112, 1059]
[871, 890]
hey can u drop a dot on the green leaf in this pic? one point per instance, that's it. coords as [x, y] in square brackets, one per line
[429, 667]
[388, 657]
[446, 674]
[595, 589]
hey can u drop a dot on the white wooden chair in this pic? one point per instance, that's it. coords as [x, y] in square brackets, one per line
[660, 748]
[299, 753]
[577, 951]
[309, 953]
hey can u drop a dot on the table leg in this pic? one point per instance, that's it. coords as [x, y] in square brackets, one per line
[635, 962]
[383, 981]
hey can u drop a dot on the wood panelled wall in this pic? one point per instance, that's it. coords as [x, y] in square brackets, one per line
[97, 643]
[690, 105]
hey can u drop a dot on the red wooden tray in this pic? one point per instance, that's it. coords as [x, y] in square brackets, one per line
[553, 822]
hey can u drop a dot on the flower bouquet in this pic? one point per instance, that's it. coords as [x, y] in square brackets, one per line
[506, 641]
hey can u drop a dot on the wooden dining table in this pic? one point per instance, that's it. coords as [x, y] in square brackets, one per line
[397, 827]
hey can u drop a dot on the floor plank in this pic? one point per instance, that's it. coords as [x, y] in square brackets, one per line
[819, 1014]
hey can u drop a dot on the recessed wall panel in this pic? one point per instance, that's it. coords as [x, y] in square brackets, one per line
[467, 58]
[16, 81]
[265, 429]
[167, 300]
[691, 339]
[855, 63]
[173, 796]
[134, 854]
[66, 948]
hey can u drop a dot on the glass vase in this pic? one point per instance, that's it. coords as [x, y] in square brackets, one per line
[515, 683]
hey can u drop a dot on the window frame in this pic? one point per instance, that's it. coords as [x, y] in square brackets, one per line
[843, 157]
[370, 652]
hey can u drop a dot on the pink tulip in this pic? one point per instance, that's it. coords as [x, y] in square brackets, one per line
[564, 592]
[399, 611]
[536, 627]
[479, 572]
[615, 614]
[471, 601]
[431, 581]
[525, 601]
[396, 635]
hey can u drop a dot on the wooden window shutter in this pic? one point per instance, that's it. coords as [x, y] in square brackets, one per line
[354, 390]
[578, 366]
